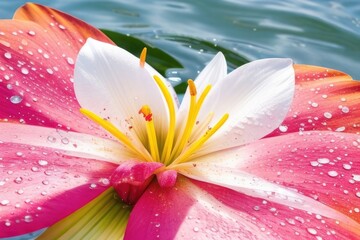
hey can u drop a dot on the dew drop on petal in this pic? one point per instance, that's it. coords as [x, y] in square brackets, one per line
[323, 160]
[356, 177]
[28, 218]
[357, 194]
[42, 162]
[24, 71]
[4, 202]
[345, 109]
[283, 128]
[196, 229]
[104, 182]
[18, 180]
[312, 231]
[16, 99]
[31, 33]
[346, 166]
[333, 173]
[7, 223]
[7, 55]
[327, 115]
[70, 61]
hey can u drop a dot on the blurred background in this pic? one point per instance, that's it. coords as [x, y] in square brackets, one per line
[325, 33]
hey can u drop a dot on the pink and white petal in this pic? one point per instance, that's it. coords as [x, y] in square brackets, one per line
[120, 87]
[196, 210]
[65, 142]
[256, 96]
[71, 31]
[36, 78]
[321, 165]
[325, 99]
[255, 186]
[40, 186]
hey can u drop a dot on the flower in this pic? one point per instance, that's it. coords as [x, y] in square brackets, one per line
[111, 141]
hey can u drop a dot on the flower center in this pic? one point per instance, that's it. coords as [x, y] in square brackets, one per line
[181, 141]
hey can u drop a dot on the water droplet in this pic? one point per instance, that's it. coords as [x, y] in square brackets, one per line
[31, 33]
[35, 169]
[4, 202]
[70, 61]
[42, 162]
[196, 229]
[18, 180]
[314, 104]
[346, 166]
[312, 231]
[333, 173]
[104, 182]
[16, 99]
[7, 223]
[19, 154]
[323, 160]
[92, 186]
[283, 128]
[65, 140]
[51, 139]
[358, 194]
[345, 109]
[327, 115]
[7, 55]
[356, 177]
[24, 71]
[49, 70]
[28, 218]
[256, 208]
[20, 191]
[45, 182]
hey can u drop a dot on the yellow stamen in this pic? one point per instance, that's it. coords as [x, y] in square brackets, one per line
[169, 141]
[113, 130]
[192, 115]
[196, 145]
[192, 87]
[150, 129]
[143, 57]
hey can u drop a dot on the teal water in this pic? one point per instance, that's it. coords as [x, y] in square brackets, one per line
[325, 33]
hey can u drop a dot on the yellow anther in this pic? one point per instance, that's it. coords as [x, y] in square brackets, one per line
[146, 112]
[151, 133]
[192, 87]
[143, 57]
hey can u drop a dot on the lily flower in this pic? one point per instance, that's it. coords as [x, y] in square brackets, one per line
[94, 144]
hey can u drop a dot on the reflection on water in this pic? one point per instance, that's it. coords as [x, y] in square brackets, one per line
[323, 33]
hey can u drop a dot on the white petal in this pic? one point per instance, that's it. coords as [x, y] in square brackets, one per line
[68, 143]
[257, 97]
[213, 72]
[251, 185]
[110, 82]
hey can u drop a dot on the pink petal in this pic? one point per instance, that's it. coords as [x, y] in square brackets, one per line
[131, 178]
[325, 99]
[40, 186]
[65, 27]
[321, 165]
[195, 210]
[37, 64]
